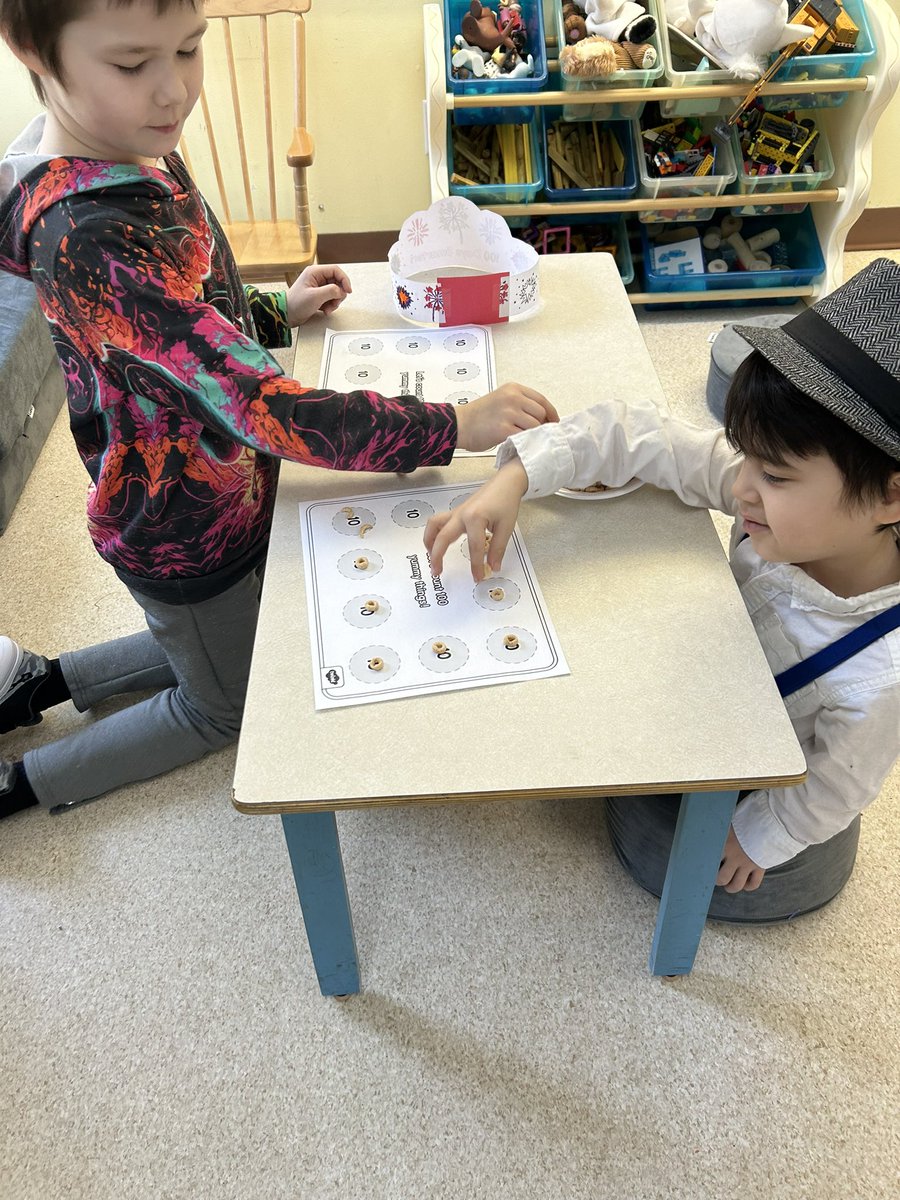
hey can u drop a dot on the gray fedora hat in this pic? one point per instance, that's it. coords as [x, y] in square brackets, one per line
[844, 352]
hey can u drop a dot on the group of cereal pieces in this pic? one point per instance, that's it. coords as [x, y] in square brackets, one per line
[492, 44]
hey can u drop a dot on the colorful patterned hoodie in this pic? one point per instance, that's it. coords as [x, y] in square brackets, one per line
[175, 407]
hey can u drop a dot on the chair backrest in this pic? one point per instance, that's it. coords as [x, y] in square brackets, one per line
[231, 126]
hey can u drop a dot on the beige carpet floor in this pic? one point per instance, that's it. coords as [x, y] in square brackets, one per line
[162, 1035]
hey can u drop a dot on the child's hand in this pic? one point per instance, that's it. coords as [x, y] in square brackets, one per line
[493, 507]
[738, 872]
[316, 289]
[493, 418]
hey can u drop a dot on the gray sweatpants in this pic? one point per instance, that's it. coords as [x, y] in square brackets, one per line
[196, 655]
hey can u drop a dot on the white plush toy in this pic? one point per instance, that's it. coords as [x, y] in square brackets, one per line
[742, 33]
[618, 20]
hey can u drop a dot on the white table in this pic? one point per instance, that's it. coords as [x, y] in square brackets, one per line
[669, 690]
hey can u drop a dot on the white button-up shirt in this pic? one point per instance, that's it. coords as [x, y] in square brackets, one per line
[848, 720]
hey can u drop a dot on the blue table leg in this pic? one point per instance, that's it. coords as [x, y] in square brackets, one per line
[691, 876]
[312, 842]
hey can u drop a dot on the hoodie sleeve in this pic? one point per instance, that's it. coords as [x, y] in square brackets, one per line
[269, 312]
[147, 332]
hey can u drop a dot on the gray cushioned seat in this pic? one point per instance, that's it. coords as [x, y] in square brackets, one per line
[31, 387]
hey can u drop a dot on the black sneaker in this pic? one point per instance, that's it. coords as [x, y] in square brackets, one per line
[21, 675]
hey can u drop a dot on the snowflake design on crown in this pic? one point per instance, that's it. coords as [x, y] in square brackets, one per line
[417, 231]
[526, 290]
[434, 298]
[490, 233]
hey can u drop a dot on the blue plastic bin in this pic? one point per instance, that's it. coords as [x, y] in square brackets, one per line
[805, 263]
[621, 130]
[501, 193]
[533, 16]
[624, 260]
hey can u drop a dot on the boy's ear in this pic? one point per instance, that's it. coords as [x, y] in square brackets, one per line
[28, 58]
[892, 500]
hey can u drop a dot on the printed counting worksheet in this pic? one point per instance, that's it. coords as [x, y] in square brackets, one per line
[436, 365]
[383, 627]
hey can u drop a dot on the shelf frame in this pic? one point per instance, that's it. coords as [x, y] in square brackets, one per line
[849, 127]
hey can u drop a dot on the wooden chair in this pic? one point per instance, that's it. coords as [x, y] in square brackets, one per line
[267, 246]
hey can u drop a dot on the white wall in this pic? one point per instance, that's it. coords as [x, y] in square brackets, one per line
[365, 111]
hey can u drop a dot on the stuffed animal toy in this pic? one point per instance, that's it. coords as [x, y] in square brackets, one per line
[573, 22]
[742, 33]
[618, 20]
[479, 28]
[598, 57]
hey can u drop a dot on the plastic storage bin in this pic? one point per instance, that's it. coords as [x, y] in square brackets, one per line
[621, 130]
[801, 67]
[532, 14]
[501, 193]
[680, 186]
[621, 79]
[804, 254]
[802, 181]
[616, 224]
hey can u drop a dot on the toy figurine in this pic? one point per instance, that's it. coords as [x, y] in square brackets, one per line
[479, 28]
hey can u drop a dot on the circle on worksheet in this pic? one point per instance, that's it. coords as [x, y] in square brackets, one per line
[464, 549]
[366, 345]
[359, 613]
[459, 499]
[460, 397]
[459, 343]
[363, 376]
[505, 593]
[352, 521]
[499, 645]
[412, 513]
[373, 564]
[375, 664]
[461, 372]
[413, 345]
[443, 654]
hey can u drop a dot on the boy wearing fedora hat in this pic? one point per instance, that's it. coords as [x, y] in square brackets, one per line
[809, 465]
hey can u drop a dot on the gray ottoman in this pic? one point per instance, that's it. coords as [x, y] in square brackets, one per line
[728, 352]
[31, 387]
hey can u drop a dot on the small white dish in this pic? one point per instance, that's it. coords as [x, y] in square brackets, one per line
[610, 494]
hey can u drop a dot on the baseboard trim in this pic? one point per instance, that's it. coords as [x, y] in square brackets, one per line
[876, 229]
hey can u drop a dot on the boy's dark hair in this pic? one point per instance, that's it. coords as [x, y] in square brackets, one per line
[767, 417]
[37, 24]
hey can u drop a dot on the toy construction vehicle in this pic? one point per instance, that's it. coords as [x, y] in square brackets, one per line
[832, 30]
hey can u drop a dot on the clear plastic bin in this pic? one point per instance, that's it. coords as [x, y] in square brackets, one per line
[533, 16]
[804, 255]
[621, 130]
[801, 181]
[621, 79]
[679, 185]
[802, 67]
[501, 193]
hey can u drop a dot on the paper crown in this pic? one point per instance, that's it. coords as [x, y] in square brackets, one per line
[457, 264]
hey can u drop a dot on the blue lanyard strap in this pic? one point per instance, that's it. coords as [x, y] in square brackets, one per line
[851, 643]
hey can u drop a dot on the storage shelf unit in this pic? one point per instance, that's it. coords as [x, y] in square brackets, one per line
[836, 207]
